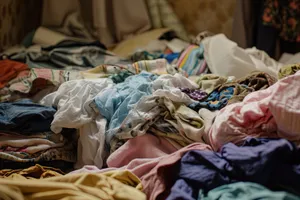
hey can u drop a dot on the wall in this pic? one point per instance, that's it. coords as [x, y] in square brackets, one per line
[17, 17]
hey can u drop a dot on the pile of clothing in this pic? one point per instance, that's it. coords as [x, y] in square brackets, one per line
[198, 121]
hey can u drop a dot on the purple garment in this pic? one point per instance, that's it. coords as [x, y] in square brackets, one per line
[195, 94]
[272, 163]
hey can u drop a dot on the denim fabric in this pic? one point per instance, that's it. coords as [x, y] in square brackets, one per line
[273, 163]
[25, 116]
[116, 102]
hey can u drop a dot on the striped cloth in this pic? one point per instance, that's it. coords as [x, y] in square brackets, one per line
[191, 61]
[163, 15]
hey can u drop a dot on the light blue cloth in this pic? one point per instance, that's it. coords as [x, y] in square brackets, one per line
[115, 103]
[245, 191]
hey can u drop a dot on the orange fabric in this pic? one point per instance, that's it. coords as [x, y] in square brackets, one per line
[10, 69]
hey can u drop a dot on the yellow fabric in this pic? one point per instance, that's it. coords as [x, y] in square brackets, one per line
[35, 172]
[288, 70]
[111, 185]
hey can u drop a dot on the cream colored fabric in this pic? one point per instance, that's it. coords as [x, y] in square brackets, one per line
[225, 58]
[109, 21]
[162, 15]
[127, 47]
[110, 185]
[45, 37]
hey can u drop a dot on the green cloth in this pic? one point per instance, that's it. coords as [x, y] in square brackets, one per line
[257, 80]
[120, 77]
[244, 191]
[288, 70]
[209, 82]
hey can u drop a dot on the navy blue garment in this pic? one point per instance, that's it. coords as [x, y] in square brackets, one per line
[273, 163]
[25, 117]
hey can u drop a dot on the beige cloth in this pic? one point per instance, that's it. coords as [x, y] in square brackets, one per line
[107, 186]
[110, 21]
[225, 58]
[209, 82]
[45, 37]
[128, 47]
[162, 15]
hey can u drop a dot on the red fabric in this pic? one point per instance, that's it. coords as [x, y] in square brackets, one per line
[10, 69]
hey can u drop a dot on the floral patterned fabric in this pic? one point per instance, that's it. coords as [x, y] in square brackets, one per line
[285, 16]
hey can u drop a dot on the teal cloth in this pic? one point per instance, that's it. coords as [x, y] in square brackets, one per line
[120, 77]
[245, 191]
[27, 41]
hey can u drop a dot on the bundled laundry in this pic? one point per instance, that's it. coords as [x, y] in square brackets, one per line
[170, 120]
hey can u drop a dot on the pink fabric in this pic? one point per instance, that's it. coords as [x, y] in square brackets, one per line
[273, 113]
[155, 173]
[145, 146]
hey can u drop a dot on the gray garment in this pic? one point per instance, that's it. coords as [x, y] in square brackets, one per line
[68, 55]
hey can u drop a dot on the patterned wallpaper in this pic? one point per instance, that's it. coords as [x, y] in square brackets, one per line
[18, 17]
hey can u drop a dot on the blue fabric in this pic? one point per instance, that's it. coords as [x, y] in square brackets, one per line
[115, 103]
[274, 163]
[25, 116]
[145, 55]
[170, 57]
[216, 100]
